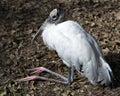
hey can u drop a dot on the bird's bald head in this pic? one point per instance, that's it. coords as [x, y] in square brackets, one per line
[55, 15]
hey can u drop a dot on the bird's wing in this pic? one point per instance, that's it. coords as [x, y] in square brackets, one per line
[94, 44]
[73, 31]
[81, 46]
[73, 39]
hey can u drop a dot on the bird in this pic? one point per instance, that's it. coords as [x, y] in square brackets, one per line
[77, 49]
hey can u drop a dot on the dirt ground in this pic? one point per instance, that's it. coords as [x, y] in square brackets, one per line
[19, 21]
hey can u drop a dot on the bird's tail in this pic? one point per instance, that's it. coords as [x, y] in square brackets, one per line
[105, 74]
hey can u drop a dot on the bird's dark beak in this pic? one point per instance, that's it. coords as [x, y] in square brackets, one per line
[36, 35]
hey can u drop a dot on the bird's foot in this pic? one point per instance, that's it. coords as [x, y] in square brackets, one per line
[33, 77]
[29, 78]
[36, 70]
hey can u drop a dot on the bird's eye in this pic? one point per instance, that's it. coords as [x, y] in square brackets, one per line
[54, 17]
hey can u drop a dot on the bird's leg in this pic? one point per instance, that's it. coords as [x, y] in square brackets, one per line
[41, 69]
[69, 75]
[33, 77]
[72, 73]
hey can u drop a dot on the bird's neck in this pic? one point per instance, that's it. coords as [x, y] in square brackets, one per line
[47, 24]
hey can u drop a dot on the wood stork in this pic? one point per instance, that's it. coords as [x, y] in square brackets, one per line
[77, 49]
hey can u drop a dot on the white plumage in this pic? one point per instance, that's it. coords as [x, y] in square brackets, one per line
[76, 47]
